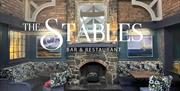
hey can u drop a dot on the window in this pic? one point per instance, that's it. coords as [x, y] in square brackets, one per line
[87, 15]
[17, 45]
[143, 48]
[91, 13]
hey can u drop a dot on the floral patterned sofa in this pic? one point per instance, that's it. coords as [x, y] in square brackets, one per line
[125, 66]
[28, 74]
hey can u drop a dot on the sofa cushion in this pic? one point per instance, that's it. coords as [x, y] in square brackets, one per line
[19, 86]
[21, 72]
[30, 70]
[6, 74]
[59, 88]
[35, 82]
[59, 79]
[160, 83]
[4, 84]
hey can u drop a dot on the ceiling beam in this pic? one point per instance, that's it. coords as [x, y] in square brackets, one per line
[92, 14]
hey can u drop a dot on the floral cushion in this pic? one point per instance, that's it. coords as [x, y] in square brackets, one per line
[59, 79]
[160, 83]
[30, 70]
[6, 74]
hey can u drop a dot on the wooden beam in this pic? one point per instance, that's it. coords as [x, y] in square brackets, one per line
[166, 22]
[92, 14]
[11, 20]
[169, 21]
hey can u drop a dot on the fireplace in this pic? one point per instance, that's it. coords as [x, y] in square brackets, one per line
[87, 68]
[92, 72]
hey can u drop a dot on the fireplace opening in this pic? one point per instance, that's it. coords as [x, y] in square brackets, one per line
[93, 72]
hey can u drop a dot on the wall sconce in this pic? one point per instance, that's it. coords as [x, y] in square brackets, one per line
[61, 18]
[113, 37]
[113, 30]
[113, 26]
[72, 39]
[72, 27]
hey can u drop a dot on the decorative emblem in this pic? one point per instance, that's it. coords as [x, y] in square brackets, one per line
[156, 15]
[29, 4]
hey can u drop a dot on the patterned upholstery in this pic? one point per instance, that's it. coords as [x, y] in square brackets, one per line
[125, 66]
[59, 79]
[160, 83]
[30, 70]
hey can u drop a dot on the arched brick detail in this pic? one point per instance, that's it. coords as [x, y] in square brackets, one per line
[90, 61]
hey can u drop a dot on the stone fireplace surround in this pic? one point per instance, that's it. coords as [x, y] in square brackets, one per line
[110, 70]
[78, 59]
[114, 67]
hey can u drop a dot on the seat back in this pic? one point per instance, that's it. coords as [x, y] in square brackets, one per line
[19, 86]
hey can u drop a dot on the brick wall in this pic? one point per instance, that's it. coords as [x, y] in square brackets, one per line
[129, 13]
[170, 7]
[59, 12]
[126, 11]
[12, 7]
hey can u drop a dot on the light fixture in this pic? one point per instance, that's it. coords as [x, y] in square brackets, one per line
[113, 25]
[61, 18]
[72, 27]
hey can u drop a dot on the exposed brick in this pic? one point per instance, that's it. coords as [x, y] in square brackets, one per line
[59, 12]
[129, 13]
[126, 11]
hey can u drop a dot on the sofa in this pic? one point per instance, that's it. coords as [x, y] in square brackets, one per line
[25, 76]
[9, 85]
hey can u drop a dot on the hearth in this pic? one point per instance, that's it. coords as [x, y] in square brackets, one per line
[92, 72]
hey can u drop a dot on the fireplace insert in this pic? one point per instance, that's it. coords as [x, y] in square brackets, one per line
[93, 72]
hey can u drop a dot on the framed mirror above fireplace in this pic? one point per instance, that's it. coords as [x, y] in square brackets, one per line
[85, 14]
[88, 14]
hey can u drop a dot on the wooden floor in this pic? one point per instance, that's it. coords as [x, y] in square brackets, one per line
[94, 88]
